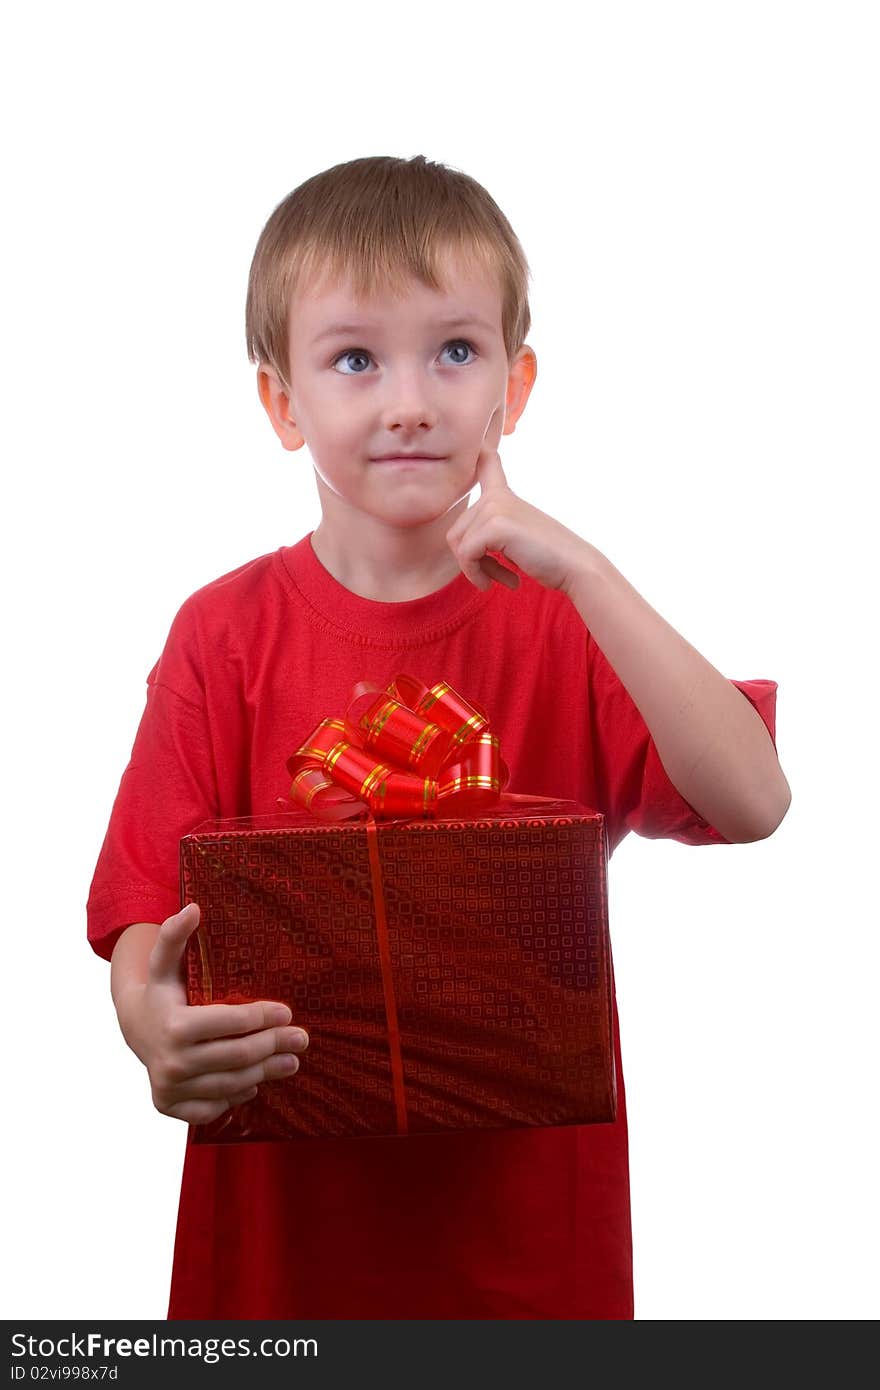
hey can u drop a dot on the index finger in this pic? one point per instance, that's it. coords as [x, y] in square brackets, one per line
[490, 470]
[234, 1020]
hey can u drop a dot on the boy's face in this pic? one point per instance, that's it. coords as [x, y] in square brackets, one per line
[426, 374]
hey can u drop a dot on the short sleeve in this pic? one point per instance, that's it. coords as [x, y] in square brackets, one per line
[168, 787]
[633, 787]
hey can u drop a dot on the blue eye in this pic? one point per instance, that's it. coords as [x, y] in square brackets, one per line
[461, 342]
[361, 352]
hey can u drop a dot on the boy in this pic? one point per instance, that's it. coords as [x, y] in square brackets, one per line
[408, 276]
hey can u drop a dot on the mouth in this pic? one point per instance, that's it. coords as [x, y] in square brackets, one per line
[410, 458]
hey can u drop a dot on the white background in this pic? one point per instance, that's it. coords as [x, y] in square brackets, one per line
[695, 187]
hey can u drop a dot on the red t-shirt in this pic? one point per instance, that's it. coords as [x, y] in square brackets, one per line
[528, 1223]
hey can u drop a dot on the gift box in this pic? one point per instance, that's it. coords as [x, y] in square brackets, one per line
[453, 971]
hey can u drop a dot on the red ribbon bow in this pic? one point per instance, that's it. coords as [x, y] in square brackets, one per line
[387, 758]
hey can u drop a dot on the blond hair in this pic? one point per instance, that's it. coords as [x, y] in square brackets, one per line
[380, 221]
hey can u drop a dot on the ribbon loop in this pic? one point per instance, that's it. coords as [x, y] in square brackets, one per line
[409, 750]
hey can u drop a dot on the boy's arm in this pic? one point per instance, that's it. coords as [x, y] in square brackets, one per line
[714, 745]
[200, 1058]
[130, 963]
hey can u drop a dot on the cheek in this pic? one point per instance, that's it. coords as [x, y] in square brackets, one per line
[487, 418]
[335, 478]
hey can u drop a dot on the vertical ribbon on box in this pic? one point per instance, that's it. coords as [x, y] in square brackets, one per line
[384, 947]
[385, 760]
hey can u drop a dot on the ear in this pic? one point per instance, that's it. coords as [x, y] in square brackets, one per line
[275, 398]
[520, 380]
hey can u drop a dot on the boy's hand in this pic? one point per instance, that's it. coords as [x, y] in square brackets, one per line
[545, 549]
[202, 1058]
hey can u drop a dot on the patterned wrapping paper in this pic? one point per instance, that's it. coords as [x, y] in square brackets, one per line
[478, 994]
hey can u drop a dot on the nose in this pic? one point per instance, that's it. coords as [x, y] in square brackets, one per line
[408, 406]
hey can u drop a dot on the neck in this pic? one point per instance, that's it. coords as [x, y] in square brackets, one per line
[383, 562]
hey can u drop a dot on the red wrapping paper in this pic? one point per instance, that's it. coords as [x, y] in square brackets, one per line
[497, 952]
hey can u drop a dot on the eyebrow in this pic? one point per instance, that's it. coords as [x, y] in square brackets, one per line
[337, 328]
